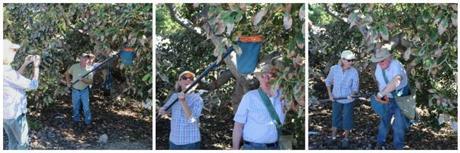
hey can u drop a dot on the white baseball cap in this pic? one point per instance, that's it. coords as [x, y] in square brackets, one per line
[347, 54]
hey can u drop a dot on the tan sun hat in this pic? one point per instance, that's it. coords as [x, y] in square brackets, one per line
[264, 68]
[188, 73]
[9, 50]
[347, 54]
[380, 55]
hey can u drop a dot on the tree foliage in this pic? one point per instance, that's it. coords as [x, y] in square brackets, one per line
[61, 32]
[422, 36]
[191, 36]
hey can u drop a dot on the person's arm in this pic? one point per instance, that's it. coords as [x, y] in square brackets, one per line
[185, 107]
[196, 108]
[240, 119]
[394, 83]
[36, 67]
[27, 61]
[355, 85]
[87, 81]
[67, 77]
[329, 81]
[237, 134]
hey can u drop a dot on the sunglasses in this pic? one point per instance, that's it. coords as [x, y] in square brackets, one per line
[349, 60]
[186, 78]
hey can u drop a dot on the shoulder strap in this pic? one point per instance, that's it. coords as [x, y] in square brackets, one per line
[269, 106]
[271, 111]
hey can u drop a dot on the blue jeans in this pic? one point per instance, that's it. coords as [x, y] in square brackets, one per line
[260, 146]
[342, 115]
[17, 131]
[191, 146]
[399, 125]
[81, 97]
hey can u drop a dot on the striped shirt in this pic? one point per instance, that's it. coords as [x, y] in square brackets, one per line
[185, 131]
[344, 82]
[395, 68]
[259, 127]
[14, 94]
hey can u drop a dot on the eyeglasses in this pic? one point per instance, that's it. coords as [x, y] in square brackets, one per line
[384, 60]
[351, 60]
[186, 78]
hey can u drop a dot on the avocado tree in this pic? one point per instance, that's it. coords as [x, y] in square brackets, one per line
[191, 36]
[62, 32]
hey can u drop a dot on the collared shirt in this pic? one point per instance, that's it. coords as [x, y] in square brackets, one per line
[185, 130]
[14, 95]
[344, 82]
[395, 68]
[259, 127]
[77, 71]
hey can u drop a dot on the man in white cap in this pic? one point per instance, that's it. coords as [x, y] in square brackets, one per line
[392, 78]
[345, 81]
[80, 90]
[14, 96]
[260, 115]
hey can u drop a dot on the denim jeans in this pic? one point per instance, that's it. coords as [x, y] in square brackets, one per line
[17, 131]
[81, 97]
[399, 125]
[191, 146]
[260, 146]
[342, 115]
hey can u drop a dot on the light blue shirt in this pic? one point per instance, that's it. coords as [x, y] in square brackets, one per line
[343, 82]
[14, 94]
[183, 130]
[395, 68]
[259, 127]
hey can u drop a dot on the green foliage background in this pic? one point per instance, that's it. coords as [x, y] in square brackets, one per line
[63, 31]
[424, 38]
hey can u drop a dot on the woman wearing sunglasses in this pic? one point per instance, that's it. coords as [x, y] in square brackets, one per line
[185, 131]
[345, 81]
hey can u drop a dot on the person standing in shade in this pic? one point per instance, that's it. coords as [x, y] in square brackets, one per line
[391, 77]
[345, 81]
[15, 98]
[260, 115]
[185, 114]
[80, 90]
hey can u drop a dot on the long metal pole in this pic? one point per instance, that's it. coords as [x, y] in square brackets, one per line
[202, 75]
[97, 67]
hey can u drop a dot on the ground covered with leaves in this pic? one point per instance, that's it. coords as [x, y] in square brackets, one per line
[363, 137]
[125, 126]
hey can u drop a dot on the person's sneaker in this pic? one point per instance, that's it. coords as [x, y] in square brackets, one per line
[345, 143]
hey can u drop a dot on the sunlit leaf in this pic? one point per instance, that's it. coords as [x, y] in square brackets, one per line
[258, 17]
[287, 21]
[443, 26]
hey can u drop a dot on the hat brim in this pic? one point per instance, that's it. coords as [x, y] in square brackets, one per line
[15, 46]
[376, 60]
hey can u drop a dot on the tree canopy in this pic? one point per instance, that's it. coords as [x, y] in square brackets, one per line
[62, 32]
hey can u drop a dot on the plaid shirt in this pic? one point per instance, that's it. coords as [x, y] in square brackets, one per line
[344, 82]
[185, 131]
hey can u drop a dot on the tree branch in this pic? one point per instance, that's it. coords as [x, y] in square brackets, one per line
[177, 19]
[328, 11]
